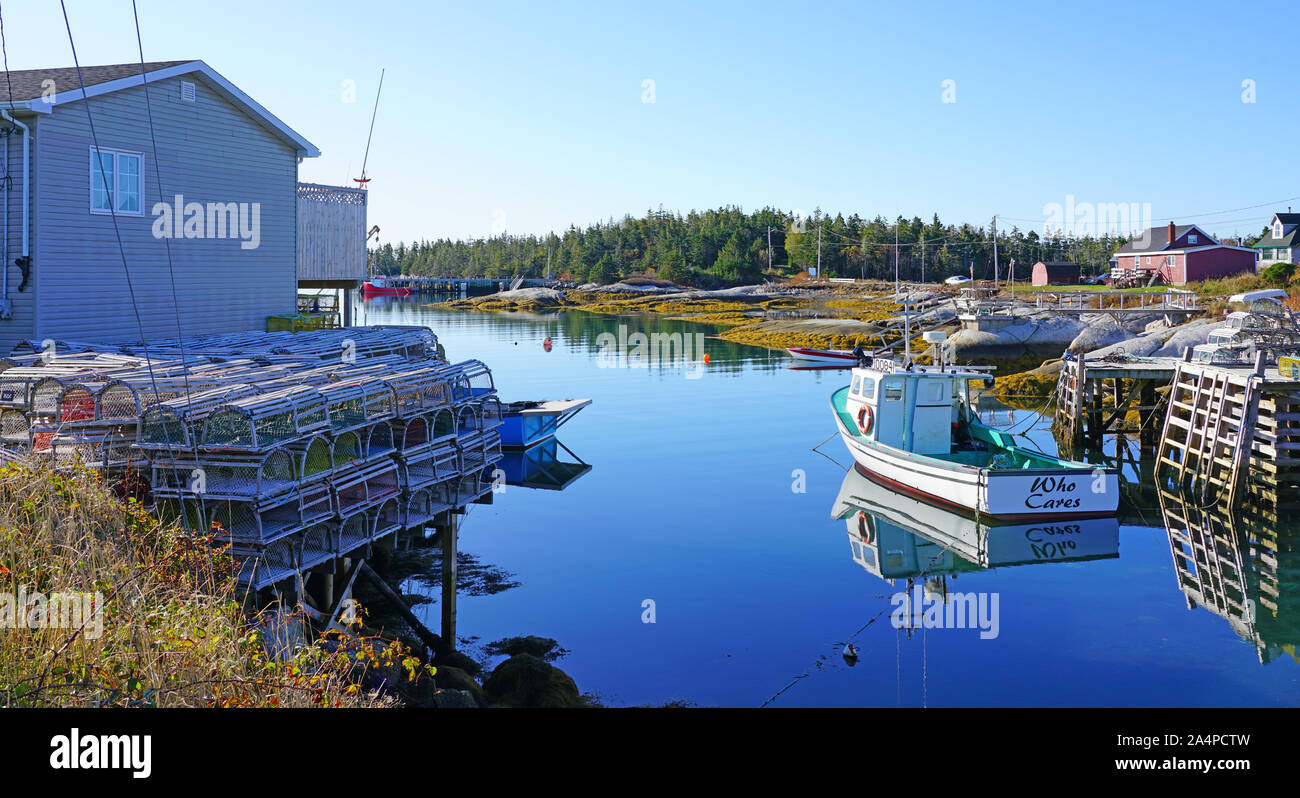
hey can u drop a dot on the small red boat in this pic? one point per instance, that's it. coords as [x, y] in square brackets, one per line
[823, 356]
[379, 286]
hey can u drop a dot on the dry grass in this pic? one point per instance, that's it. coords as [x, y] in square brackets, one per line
[168, 631]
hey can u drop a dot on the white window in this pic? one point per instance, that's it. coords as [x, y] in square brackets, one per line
[1171, 260]
[116, 180]
[1148, 260]
[1277, 229]
[1191, 238]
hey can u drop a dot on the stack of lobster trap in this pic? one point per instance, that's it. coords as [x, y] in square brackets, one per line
[296, 449]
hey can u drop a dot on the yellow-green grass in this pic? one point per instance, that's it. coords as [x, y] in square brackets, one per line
[169, 630]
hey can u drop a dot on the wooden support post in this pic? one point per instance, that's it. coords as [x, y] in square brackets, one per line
[1080, 375]
[1147, 437]
[450, 533]
[326, 579]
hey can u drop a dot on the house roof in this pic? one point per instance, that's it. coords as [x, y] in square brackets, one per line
[29, 84]
[1288, 239]
[28, 90]
[1155, 239]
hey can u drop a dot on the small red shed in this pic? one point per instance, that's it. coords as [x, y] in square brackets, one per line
[1056, 273]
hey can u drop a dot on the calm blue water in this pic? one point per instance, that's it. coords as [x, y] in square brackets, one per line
[691, 504]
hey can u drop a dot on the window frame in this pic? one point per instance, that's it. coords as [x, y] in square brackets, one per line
[114, 195]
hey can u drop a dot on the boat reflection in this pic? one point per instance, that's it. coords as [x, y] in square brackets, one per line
[542, 466]
[1242, 565]
[897, 537]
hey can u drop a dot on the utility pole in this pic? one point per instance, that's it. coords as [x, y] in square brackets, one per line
[769, 248]
[995, 251]
[819, 252]
[896, 256]
[923, 255]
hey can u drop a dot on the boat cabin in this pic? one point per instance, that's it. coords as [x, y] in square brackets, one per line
[916, 411]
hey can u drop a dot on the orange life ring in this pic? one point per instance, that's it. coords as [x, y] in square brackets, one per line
[865, 419]
[864, 528]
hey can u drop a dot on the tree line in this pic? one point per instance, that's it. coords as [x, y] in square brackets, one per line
[729, 246]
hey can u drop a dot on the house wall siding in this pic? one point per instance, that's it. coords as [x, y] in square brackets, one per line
[1209, 264]
[22, 322]
[207, 151]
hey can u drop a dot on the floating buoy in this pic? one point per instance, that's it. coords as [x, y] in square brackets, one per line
[851, 654]
[547, 344]
[706, 358]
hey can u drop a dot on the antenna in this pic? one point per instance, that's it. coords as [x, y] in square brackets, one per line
[363, 179]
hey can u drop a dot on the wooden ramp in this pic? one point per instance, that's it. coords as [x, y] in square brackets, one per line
[1232, 435]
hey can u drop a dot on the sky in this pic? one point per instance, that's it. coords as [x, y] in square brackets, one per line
[531, 117]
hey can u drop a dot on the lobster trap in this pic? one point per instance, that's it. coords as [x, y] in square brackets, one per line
[314, 458]
[432, 464]
[106, 449]
[419, 390]
[379, 441]
[470, 380]
[385, 519]
[479, 449]
[365, 486]
[178, 423]
[355, 403]
[424, 505]
[240, 477]
[262, 421]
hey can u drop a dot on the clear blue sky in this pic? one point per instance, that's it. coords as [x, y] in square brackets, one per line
[531, 115]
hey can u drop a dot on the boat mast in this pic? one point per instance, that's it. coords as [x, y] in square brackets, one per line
[907, 331]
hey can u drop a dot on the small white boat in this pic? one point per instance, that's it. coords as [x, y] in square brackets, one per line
[835, 356]
[917, 432]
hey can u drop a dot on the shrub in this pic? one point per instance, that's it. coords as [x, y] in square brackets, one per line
[1278, 274]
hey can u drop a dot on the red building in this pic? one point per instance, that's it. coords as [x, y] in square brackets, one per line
[1180, 254]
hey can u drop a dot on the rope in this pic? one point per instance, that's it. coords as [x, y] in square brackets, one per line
[117, 232]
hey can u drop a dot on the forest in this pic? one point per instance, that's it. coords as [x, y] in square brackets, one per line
[728, 246]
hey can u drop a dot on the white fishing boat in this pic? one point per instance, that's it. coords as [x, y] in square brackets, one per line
[916, 431]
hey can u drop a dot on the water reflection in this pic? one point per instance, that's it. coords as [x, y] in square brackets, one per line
[543, 466]
[1241, 565]
[896, 537]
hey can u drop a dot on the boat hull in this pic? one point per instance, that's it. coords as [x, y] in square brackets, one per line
[1011, 495]
[822, 356]
[383, 290]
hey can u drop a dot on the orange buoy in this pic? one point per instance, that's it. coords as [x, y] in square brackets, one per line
[706, 358]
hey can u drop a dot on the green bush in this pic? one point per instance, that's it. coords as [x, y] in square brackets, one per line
[1278, 273]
